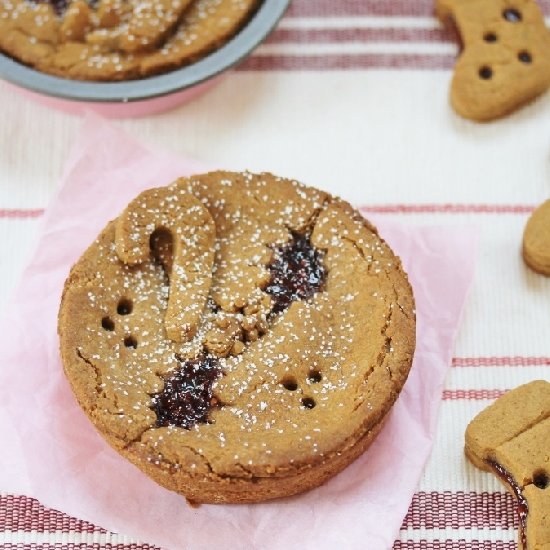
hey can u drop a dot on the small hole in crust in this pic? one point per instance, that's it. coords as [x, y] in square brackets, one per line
[314, 377]
[485, 73]
[125, 306]
[525, 57]
[512, 15]
[130, 342]
[289, 383]
[541, 480]
[108, 324]
[308, 402]
[490, 37]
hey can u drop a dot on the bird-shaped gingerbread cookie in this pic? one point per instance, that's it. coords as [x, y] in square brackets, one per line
[505, 57]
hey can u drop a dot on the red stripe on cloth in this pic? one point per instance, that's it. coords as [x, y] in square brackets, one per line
[433, 510]
[515, 361]
[453, 395]
[307, 36]
[21, 213]
[345, 62]
[342, 8]
[448, 209]
[73, 546]
[329, 8]
[20, 513]
[454, 510]
[454, 545]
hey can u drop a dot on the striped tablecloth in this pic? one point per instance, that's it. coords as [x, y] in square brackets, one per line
[350, 96]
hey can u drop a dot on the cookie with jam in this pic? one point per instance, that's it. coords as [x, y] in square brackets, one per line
[239, 337]
[511, 439]
[109, 40]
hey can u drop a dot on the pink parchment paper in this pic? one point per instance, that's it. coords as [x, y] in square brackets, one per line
[51, 452]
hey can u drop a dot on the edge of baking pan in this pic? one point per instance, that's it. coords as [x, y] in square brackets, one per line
[259, 26]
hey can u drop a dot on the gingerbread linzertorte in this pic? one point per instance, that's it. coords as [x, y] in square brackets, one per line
[238, 337]
[111, 40]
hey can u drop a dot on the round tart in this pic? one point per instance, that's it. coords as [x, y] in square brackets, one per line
[238, 337]
[117, 39]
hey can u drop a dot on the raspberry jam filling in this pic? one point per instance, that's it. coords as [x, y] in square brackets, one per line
[187, 396]
[297, 272]
[521, 503]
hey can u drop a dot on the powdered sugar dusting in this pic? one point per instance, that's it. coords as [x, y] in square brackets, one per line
[290, 384]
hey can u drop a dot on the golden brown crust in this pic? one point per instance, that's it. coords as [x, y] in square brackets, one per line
[346, 350]
[504, 63]
[512, 439]
[117, 40]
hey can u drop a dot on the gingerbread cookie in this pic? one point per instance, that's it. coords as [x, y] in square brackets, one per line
[117, 39]
[238, 337]
[505, 61]
[536, 240]
[511, 438]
